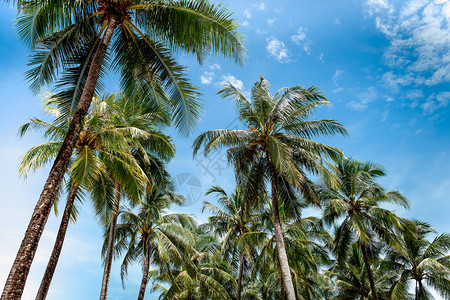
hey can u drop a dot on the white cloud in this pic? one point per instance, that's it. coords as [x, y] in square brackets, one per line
[300, 36]
[262, 6]
[260, 31]
[207, 77]
[337, 75]
[229, 78]
[271, 21]
[245, 23]
[215, 66]
[301, 39]
[320, 57]
[247, 13]
[393, 81]
[419, 38]
[278, 49]
[435, 102]
[384, 115]
[388, 98]
[413, 97]
[363, 100]
[376, 6]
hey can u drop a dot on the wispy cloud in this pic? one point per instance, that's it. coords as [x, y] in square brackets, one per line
[244, 23]
[271, 21]
[419, 36]
[435, 102]
[301, 39]
[337, 75]
[247, 14]
[363, 99]
[377, 6]
[207, 77]
[229, 78]
[278, 50]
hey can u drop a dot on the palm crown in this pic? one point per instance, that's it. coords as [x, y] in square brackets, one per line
[278, 129]
[352, 198]
[277, 145]
[419, 259]
[66, 34]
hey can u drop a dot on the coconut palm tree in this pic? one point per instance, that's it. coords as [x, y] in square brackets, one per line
[276, 144]
[230, 221]
[100, 144]
[73, 38]
[151, 150]
[152, 236]
[208, 277]
[420, 260]
[351, 280]
[305, 248]
[353, 203]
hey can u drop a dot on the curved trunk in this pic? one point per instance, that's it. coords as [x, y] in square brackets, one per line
[145, 275]
[241, 271]
[286, 279]
[19, 271]
[51, 266]
[111, 238]
[369, 272]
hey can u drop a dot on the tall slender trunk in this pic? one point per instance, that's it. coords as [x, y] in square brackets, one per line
[369, 272]
[111, 238]
[19, 271]
[146, 268]
[51, 266]
[282, 290]
[241, 271]
[420, 294]
[281, 249]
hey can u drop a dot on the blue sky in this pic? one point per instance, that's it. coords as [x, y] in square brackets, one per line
[383, 64]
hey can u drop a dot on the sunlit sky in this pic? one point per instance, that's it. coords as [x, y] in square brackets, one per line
[384, 65]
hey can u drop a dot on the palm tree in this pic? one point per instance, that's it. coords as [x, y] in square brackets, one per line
[152, 236]
[206, 277]
[230, 221]
[305, 248]
[354, 198]
[151, 150]
[351, 280]
[417, 259]
[99, 139]
[276, 144]
[73, 38]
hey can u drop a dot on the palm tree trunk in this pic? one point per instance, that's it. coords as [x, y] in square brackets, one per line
[420, 293]
[111, 238]
[369, 272]
[146, 268]
[241, 271]
[282, 291]
[51, 266]
[19, 271]
[281, 249]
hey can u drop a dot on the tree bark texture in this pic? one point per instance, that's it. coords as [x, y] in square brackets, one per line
[111, 239]
[51, 266]
[17, 277]
[145, 274]
[369, 272]
[281, 248]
